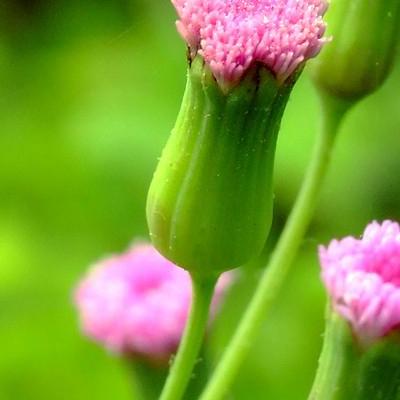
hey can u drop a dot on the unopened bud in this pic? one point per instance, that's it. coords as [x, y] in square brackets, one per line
[364, 36]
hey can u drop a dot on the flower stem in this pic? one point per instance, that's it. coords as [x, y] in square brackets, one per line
[181, 370]
[283, 255]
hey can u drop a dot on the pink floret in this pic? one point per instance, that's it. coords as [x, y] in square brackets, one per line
[362, 277]
[232, 34]
[138, 302]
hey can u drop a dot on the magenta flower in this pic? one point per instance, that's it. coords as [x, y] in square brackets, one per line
[233, 34]
[363, 279]
[138, 302]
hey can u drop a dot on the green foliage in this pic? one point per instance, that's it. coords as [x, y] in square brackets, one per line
[88, 94]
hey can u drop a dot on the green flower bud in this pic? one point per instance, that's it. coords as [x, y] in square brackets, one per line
[364, 36]
[210, 202]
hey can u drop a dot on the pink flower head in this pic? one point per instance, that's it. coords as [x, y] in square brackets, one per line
[233, 34]
[362, 277]
[138, 302]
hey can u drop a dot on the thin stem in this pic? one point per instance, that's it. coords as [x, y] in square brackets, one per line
[185, 359]
[283, 255]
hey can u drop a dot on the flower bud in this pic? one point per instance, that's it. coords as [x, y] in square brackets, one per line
[362, 277]
[361, 353]
[210, 202]
[136, 303]
[364, 36]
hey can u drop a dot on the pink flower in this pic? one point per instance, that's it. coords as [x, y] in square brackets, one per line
[138, 302]
[233, 34]
[363, 279]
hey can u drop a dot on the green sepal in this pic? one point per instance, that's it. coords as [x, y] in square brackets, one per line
[352, 370]
[364, 35]
[337, 373]
[379, 371]
[148, 376]
[209, 205]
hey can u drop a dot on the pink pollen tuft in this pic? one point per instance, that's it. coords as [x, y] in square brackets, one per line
[138, 302]
[362, 277]
[233, 34]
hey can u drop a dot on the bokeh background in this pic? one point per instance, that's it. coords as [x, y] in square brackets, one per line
[88, 93]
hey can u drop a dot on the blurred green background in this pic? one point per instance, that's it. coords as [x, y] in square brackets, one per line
[88, 93]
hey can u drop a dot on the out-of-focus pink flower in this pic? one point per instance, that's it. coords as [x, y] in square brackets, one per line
[138, 302]
[233, 34]
[363, 279]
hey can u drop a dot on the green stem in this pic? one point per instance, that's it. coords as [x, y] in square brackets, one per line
[338, 364]
[199, 376]
[283, 255]
[181, 370]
